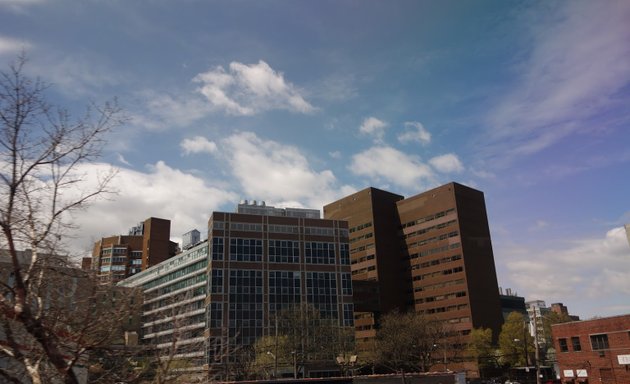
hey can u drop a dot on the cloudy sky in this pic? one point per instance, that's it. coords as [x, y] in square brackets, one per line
[299, 103]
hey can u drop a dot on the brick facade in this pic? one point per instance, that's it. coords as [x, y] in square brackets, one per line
[594, 351]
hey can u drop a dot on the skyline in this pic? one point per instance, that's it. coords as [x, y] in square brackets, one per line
[300, 103]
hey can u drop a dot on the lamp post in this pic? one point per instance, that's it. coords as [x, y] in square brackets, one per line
[275, 364]
[295, 373]
[443, 356]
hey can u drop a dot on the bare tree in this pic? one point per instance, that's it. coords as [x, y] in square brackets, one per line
[42, 150]
[407, 341]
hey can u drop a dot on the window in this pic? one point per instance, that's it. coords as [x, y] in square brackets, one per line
[346, 284]
[319, 253]
[599, 342]
[575, 341]
[245, 249]
[284, 289]
[284, 251]
[563, 345]
[217, 248]
[216, 281]
[348, 315]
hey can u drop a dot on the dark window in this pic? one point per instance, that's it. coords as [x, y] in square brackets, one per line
[599, 342]
[575, 341]
[563, 345]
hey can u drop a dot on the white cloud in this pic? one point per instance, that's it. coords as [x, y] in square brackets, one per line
[448, 163]
[268, 170]
[198, 144]
[335, 155]
[12, 46]
[415, 131]
[19, 5]
[573, 71]
[77, 76]
[162, 191]
[387, 163]
[167, 111]
[539, 225]
[250, 89]
[374, 127]
[122, 159]
[593, 270]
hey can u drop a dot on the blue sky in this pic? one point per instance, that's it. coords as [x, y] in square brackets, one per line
[299, 103]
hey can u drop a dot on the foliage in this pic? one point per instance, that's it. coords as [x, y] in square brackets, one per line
[42, 150]
[515, 342]
[550, 319]
[406, 341]
[480, 347]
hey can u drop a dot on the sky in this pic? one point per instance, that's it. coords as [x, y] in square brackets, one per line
[299, 103]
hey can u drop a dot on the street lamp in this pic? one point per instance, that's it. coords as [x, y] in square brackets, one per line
[443, 356]
[295, 373]
[275, 364]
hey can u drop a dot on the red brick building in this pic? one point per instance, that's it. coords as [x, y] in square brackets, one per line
[594, 351]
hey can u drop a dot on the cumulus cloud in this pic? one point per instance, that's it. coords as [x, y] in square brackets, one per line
[593, 268]
[373, 127]
[389, 164]
[573, 71]
[160, 191]
[448, 163]
[414, 131]
[197, 144]
[268, 170]
[249, 89]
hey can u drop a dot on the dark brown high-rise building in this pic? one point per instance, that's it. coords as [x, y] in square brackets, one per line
[431, 253]
[121, 256]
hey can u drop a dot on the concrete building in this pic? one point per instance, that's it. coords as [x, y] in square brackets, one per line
[173, 311]
[147, 244]
[594, 351]
[266, 261]
[431, 253]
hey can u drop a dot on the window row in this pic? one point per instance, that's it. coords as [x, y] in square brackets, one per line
[429, 229]
[360, 227]
[433, 239]
[432, 251]
[428, 218]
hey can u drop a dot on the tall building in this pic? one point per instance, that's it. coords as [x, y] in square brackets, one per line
[262, 263]
[121, 256]
[173, 317]
[431, 253]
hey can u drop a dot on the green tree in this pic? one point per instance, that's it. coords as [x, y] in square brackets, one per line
[515, 342]
[480, 347]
